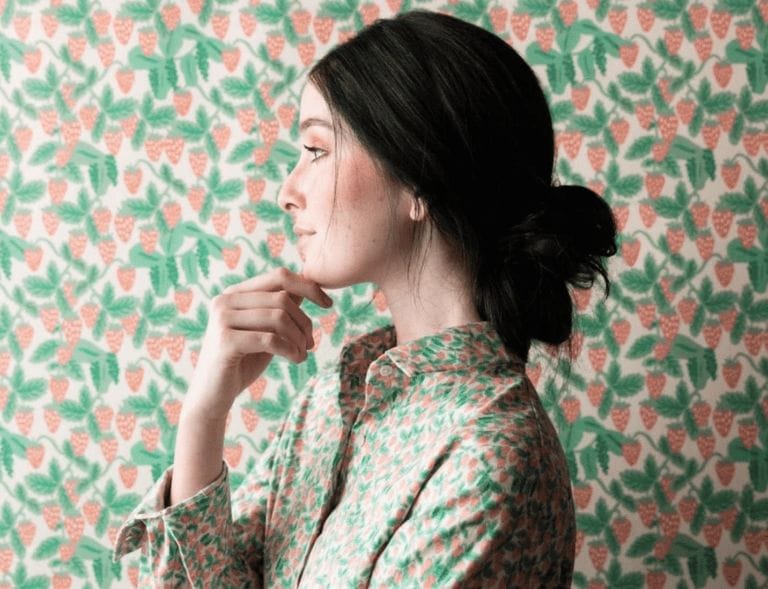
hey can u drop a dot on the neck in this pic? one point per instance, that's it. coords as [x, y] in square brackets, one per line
[440, 298]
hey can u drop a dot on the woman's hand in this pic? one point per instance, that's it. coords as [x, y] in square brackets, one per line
[249, 323]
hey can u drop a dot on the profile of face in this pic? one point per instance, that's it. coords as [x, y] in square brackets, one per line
[346, 245]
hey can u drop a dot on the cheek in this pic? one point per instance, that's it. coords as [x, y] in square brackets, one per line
[366, 210]
[363, 187]
[361, 216]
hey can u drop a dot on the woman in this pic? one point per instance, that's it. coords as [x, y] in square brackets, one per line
[425, 458]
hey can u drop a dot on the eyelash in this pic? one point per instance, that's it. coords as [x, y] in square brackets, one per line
[313, 150]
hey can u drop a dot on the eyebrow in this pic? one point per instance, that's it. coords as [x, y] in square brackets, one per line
[306, 123]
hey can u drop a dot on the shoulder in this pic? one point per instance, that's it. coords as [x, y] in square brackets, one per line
[513, 440]
[488, 403]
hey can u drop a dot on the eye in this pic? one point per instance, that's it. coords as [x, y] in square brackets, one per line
[313, 151]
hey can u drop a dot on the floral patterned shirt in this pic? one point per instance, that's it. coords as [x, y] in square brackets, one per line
[426, 464]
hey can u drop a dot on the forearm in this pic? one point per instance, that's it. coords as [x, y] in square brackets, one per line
[198, 455]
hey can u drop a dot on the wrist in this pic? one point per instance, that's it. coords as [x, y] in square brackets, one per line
[201, 414]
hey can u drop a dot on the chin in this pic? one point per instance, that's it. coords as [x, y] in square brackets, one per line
[329, 280]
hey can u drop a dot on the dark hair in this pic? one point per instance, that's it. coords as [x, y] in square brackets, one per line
[453, 112]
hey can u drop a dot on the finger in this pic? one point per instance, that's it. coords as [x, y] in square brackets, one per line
[274, 320]
[283, 279]
[251, 342]
[257, 301]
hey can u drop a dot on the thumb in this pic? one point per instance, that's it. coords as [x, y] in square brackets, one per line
[296, 298]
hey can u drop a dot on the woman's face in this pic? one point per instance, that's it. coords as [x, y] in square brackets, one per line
[350, 246]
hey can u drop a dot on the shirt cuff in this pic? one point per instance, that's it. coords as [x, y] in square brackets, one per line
[154, 506]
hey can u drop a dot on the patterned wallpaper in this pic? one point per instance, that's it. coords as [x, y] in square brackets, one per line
[142, 145]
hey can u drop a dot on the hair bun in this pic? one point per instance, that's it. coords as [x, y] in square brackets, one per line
[581, 217]
[567, 237]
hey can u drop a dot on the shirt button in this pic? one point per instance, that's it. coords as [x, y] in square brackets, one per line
[386, 371]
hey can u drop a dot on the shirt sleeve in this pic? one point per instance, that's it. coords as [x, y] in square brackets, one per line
[475, 524]
[209, 539]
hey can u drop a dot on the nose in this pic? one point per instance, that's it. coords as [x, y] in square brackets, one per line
[289, 196]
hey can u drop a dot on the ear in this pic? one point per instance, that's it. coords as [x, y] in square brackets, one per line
[418, 210]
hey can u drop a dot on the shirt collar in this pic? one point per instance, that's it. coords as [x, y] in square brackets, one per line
[475, 346]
